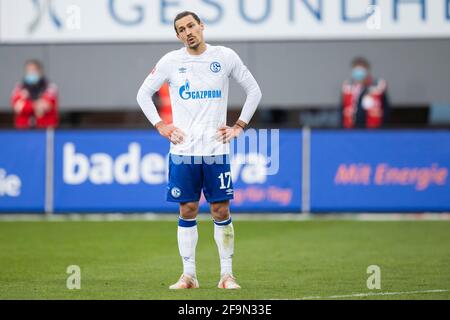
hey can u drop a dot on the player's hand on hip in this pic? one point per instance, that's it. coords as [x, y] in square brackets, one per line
[225, 133]
[169, 131]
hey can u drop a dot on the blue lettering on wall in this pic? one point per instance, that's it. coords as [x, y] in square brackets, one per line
[422, 3]
[448, 10]
[219, 12]
[362, 18]
[317, 12]
[164, 5]
[255, 20]
[131, 22]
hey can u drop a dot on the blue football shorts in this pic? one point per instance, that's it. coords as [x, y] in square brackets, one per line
[188, 175]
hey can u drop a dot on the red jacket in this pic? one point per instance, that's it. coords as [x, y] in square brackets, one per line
[28, 116]
[364, 105]
[165, 108]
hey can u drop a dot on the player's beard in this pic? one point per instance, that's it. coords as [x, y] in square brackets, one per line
[194, 44]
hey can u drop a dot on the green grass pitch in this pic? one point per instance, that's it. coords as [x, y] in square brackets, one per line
[273, 259]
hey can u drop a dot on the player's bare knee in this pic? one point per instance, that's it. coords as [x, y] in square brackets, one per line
[220, 211]
[189, 210]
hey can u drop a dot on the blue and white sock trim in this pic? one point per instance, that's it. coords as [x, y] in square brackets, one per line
[223, 223]
[186, 223]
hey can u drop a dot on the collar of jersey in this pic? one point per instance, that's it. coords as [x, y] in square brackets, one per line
[197, 56]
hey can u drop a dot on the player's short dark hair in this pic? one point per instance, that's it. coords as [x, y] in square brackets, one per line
[185, 14]
[361, 61]
[35, 62]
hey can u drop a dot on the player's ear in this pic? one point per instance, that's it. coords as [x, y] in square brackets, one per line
[202, 26]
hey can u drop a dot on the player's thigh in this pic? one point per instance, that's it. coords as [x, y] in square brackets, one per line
[185, 180]
[217, 182]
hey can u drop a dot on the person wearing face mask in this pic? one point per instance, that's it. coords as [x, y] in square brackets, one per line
[35, 99]
[364, 99]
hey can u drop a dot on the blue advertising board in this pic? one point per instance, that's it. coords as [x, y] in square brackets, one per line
[22, 171]
[385, 171]
[270, 179]
[110, 171]
[126, 171]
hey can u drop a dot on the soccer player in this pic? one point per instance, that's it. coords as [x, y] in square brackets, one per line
[198, 76]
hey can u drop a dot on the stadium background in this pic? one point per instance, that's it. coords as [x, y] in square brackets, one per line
[300, 55]
[299, 73]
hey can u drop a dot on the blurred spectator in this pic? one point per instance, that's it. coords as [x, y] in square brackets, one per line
[364, 101]
[35, 99]
[164, 104]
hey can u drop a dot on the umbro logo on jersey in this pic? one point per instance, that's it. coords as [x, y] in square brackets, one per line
[182, 70]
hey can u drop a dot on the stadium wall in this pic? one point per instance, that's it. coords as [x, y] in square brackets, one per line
[316, 171]
[309, 74]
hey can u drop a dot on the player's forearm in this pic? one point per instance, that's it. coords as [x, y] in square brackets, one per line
[251, 103]
[144, 99]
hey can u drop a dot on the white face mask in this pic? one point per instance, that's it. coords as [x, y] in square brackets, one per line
[32, 78]
[359, 73]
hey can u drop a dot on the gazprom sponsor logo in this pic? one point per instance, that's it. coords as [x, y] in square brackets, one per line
[186, 93]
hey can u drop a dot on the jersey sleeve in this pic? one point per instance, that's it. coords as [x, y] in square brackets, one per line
[237, 69]
[243, 76]
[150, 86]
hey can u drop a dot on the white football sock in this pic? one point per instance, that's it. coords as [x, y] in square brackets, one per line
[224, 236]
[187, 242]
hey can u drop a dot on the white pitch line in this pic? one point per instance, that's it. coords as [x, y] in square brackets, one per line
[370, 294]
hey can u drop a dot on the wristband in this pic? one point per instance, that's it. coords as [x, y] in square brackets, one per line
[239, 125]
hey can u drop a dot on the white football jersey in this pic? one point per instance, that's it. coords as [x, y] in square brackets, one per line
[199, 94]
